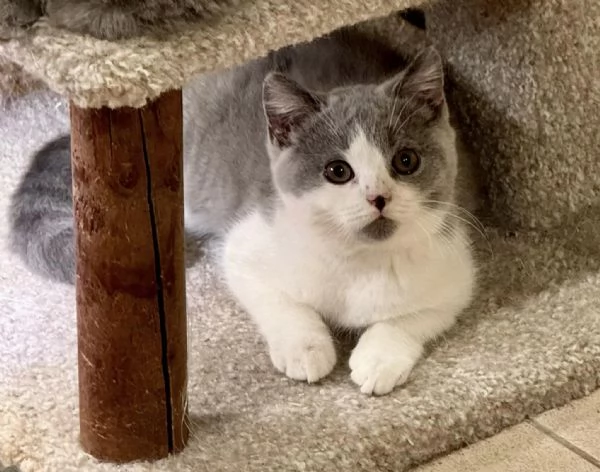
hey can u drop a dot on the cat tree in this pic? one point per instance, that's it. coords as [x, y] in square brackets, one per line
[126, 141]
[528, 94]
[128, 203]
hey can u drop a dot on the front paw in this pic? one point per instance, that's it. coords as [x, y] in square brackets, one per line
[382, 359]
[308, 355]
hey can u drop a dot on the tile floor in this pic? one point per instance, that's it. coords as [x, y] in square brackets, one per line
[563, 440]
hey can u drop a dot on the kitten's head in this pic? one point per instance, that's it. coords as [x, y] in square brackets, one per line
[367, 162]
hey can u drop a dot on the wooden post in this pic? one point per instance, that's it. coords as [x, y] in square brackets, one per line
[132, 336]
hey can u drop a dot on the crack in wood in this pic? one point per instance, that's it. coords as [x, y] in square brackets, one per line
[160, 293]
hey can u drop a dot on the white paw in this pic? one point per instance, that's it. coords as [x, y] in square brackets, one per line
[308, 355]
[383, 358]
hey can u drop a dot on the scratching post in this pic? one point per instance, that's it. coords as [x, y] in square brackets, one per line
[128, 201]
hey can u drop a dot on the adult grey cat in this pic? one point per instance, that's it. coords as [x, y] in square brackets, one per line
[110, 19]
[329, 170]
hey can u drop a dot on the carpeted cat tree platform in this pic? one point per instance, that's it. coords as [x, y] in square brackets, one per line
[527, 89]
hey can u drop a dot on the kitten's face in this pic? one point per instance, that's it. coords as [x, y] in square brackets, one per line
[369, 162]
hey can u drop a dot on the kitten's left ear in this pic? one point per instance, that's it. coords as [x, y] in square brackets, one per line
[287, 105]
[422, 82]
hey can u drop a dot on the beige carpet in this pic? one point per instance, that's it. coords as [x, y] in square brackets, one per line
[128, 72]
[528, 74]
[531, 341]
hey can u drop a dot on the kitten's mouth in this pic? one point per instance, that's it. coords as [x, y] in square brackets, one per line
[380, 229]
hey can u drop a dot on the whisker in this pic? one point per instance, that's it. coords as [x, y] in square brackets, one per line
[472, 220]
[448, 244]
[479, 231]
[393, 110]
[475, 227]
[443, 224]
[394, 130]
[409, 117]
[458, 207]
[333, 127]
[429, 238]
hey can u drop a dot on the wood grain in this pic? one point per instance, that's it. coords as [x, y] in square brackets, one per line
[128, 202]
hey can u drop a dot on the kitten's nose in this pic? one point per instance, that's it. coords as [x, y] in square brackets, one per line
[378, 202]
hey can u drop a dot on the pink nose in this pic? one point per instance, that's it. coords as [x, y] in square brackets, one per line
[378, 201]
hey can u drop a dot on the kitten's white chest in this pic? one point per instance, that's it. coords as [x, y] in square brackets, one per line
[351, 289]
[358, 290]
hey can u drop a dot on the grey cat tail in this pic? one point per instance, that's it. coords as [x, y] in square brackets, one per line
[41, 214]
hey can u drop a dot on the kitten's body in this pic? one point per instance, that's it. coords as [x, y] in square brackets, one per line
[378, 251]
[405, 293]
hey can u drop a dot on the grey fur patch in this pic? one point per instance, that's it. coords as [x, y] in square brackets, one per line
[287, 106]
[227, 170]
[316, 146]
[380, 229]
[41, 214]
[16, 14]
[111, 19]
[404, 112]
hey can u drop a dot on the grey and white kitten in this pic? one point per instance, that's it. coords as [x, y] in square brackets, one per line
[329, 171]
[110, 19]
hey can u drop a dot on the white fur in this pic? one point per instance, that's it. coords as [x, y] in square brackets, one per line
[308, 266]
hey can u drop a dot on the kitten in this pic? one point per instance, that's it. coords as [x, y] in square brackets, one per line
[110, 19]
[329, 172]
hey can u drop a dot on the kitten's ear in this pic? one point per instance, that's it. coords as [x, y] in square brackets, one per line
[287, 105]
[422, 81]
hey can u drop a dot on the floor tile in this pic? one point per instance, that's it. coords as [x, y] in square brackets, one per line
[522, 448]
[577, 423]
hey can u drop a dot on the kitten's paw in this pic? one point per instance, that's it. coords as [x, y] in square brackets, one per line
[308, 356]
[383, 358]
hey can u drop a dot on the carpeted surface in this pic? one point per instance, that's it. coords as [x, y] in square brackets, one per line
[94, 72]
[528, 74]
[531, 341]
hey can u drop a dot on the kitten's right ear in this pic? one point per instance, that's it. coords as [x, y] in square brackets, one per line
[422, 83]
[287, 105]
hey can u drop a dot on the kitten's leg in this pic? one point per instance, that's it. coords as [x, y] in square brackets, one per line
[300, 344]
[299, 341]
[387, 351]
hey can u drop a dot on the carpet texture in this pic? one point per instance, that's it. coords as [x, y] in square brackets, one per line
[528, 82]
[93, 72]
[530, 341]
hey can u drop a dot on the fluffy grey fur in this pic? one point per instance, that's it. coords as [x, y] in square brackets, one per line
[225, 127]
[109, 19]
[313, 95]
[42, 215]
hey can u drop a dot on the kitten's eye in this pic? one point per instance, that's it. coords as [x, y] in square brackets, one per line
[338, 172]
[406, 162]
